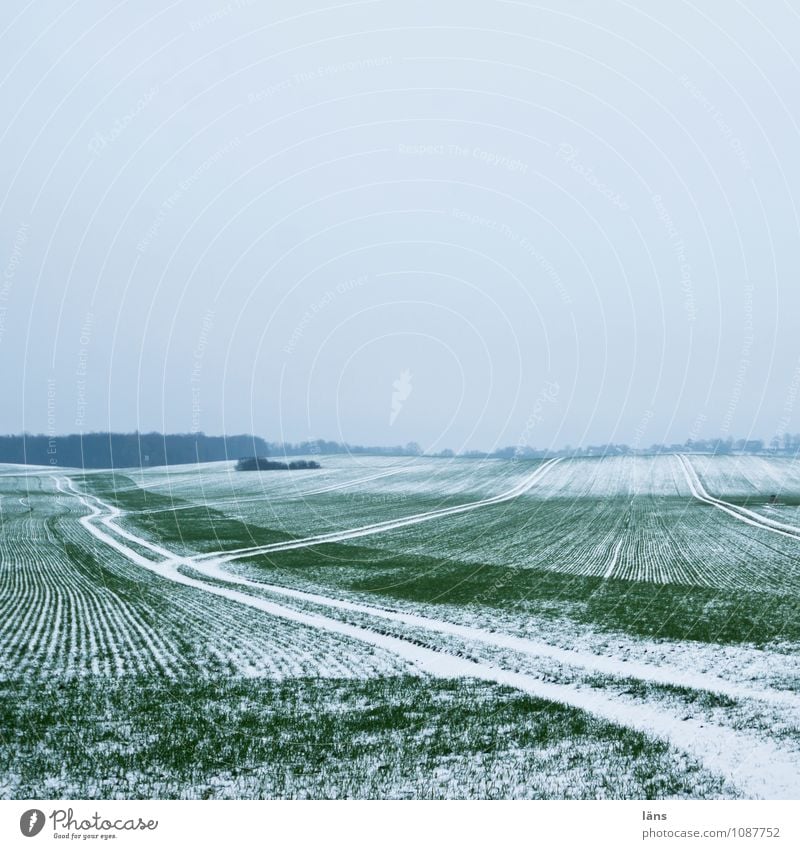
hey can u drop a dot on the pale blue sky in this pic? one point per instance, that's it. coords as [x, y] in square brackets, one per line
[569, 222]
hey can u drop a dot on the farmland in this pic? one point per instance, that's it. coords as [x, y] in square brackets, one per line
[621, 627]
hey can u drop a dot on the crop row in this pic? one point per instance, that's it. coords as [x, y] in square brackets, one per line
[649, 539]
[629, 518]
[71, 606]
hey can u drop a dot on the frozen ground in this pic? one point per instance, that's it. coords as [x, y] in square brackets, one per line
[600, 586]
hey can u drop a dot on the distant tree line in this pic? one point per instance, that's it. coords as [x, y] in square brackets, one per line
[787, 445]
[103, 450]
[260, 464]
[126, 450]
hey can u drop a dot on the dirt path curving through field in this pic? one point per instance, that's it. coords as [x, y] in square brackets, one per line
[381, 527]
[749, 517]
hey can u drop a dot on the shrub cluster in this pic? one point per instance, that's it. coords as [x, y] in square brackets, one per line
[260, 464]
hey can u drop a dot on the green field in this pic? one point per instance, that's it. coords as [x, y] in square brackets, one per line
[403, 627]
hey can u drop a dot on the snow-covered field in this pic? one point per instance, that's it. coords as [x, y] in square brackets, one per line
[71, 606]
[653, 599]
[758, 477]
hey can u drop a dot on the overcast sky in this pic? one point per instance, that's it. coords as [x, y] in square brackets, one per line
[467, 224]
